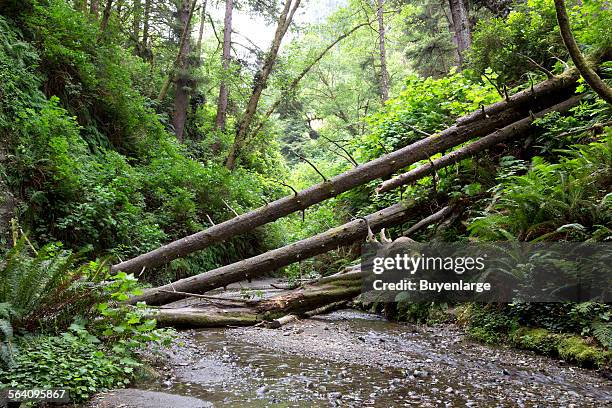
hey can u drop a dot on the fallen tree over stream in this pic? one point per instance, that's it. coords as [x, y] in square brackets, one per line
[477, 124]
[311, 299]
[343, 235]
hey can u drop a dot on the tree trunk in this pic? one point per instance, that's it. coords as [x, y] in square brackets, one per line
[384, 74]
[225, 59]
[589, 75]
[319, 297]
[201, 31]
[261, 81]
[136, 18]
[179, 57]
[293, 85]
[108, 8]
[94, 8]
[478, 124]
[145, 29]
[183, 82]
[344, 235]
[461, 26]
[513, 130]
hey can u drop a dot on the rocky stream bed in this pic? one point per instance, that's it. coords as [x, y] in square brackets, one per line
[354, 359]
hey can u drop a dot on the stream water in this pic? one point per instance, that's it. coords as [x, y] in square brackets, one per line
[354, 359]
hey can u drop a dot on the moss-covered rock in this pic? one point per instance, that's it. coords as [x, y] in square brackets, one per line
[568, 347]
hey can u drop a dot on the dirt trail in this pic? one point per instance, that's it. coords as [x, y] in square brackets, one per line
[352, 359]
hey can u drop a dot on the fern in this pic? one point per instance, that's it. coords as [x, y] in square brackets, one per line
[43, 287]
[536, 205]
[602, 331]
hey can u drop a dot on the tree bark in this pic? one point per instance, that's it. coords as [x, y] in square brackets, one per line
[261, 81]
[461, 26]
[136, 18]
[201, 31]
[145, 27]
[94, 6]
[108, 8]
[384, 74]
[475, 125]
[344, 235]
[513, 130]
[319, 297]
[183, 82]
[225, 59]
[589, 75]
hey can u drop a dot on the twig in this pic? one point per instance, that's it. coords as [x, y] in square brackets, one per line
[230, 208]
[288, 186]
[383, 146]
[535, 64]
[352, 159]
[418, 130]
[494, 84]
[210, 220]
[310, 163]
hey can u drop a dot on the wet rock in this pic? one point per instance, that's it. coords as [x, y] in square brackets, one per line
[334, 395]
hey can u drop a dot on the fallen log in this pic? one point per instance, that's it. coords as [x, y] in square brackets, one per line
[281, 321]
[513, 130]
[495, 116]
[313, 299]
[343, 235]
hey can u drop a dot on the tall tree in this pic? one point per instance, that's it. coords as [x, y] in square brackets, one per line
[461, 27]
[226, 59]
[94, 7]
[106, 15]
[261, 81]
[384, 73]
[145, 28]
[136, 18]
[183, 82]
[201, 30]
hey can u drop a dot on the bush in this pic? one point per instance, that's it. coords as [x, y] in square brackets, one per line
[75, 361]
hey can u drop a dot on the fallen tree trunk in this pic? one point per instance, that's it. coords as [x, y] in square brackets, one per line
[320, 297]
[513, 130]
[343, 235]
[518, 106]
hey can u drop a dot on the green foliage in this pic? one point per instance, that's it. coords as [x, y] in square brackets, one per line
[528, 39]
[421, 312]
[568, 347]
[76, 361]
[564, 201]
[125, 327]
[425, 105]
[487, 323]
[45, 289]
